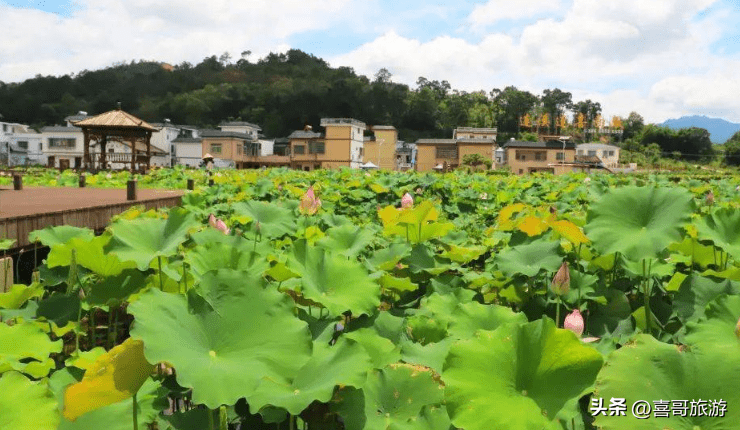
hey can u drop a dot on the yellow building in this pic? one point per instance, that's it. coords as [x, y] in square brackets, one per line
[341, 145]
[439, 154]
[380, 149]
[552, 156]
[240, 148]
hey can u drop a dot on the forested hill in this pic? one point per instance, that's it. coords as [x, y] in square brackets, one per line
[281, 93]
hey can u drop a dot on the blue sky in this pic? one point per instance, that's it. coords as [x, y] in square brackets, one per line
[662, 58]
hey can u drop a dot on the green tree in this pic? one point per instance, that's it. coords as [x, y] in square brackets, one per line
[509, 105]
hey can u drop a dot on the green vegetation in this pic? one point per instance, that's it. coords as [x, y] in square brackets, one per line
[324, 300]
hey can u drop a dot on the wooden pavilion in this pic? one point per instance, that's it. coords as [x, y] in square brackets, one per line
[118, 126]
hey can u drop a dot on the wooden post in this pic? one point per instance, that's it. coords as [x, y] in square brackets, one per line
[83, 180]
[86, 159]
[103, 155]
[133, 154]
[191, 184]
[17, 182]
[210, 182]
[6, 274]
[131, 189]
[148, 150]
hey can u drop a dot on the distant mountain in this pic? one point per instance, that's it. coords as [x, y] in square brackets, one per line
[719, 129]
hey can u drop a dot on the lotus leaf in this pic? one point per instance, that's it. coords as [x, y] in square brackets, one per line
[274, 221]
[26, 348]
[530, 258]
[19, 294]
[225, 351]
[638, 222]
[518, 376]
[26, 405]
[114, 376]
[59, 235]
[345, 363]
[719, 330]
[143, 240]
[722, 227]
[696, 292]
[337, 283]
[89, 253]
[650, 370]
[347, 240]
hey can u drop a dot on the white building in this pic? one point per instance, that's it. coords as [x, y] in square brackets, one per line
[241, 127]
[63, 146]
[608, 154]
[187, 147]
[20, 145]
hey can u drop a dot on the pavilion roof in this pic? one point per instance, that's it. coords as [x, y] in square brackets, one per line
[115, 119]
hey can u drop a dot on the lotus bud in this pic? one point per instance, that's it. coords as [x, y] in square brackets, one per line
[561, 282]
[309, 203]
[709, 199]
[737, 188]
[407, 201]
[418, 190]
[587, 180]
[737, 329]
[258, 227]
[574, 322]
[484, 196]
[218, 224]
[553, 210]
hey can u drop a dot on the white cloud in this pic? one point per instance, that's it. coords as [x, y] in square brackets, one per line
[102, 32]
[498, 10]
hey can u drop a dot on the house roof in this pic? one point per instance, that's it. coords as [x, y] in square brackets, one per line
[477, 140]
[219, 133]
[436, 141]
[596, 146]
[75, 118]
[301, 134]
[58, 128]
[239, 124]
[115, 119]
[587, 159]
[553, 144]
[383, 127]
[187, 140]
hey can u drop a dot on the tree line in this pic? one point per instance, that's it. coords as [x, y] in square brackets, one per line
[283, 92]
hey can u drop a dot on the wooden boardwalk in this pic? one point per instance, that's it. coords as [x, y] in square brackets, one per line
[34, 208]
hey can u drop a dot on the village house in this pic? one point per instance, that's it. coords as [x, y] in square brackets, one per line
[20, 145]
[340, 145]
[608, 154]
[553, 156]
[380, 148]
[439, 154]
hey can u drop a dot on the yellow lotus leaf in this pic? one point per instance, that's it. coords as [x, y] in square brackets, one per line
[377, 188]
[506, 213]
[115, 376]
[533, 226]
[570, 231]
[389, 215]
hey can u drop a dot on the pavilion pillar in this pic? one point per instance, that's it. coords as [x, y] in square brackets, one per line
[148, 150]
[86, 158]
[133, 154]
[103, 144]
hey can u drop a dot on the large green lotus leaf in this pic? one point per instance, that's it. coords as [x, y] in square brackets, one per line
[223, 351]
[473, 316]
[400, 396]
[217, 255]
[689, 251]
[274, 221]
[56, 235]
[431, 355]
[638, 222]
[26, 405]
[722, 227]
[194, 419]
[388, 257]
[26, 348]
[60, 308]
[117, 416]
[345, 363]
[650, 370]
[337, 283]
[89, 253]
[696, 292]
[528, 259]
[142, 240]
[423, 259]
[348, 240]
[519, 376]
[19, 294]
[719, 328]
[116, 289]
[381, 350]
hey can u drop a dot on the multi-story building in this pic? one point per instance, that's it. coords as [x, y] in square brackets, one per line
[438, 154]
[20, 145]
[341, 145]
[553, 156]
[380, 148]
[241, 127]
[608, 154]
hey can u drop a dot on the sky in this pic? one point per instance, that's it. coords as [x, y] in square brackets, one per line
[661, 58]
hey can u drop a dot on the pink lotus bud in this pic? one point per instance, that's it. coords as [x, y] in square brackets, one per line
[407, 201]
[484, 196]
[561, 282]
[709, 198]
[574, 322]
[587, 180]
[218, 224]
[309, 203]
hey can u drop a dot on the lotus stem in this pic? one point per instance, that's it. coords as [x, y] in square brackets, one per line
[646, 294]
[211, 425]
[135, 413]
[291, 422]
[77, 332]
[557, 311]
[223, 422]
[161, 279]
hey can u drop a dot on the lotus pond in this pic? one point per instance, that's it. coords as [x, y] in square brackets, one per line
[281, 299]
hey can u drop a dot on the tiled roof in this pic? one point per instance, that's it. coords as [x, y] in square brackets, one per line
[219, 133]
[383, 127]
[115, 119]
[477, 140]
[554, 144]
[57, 128]
[596, 146]
[301, 134]
[436, 142]
[239, 124]
[187, 140]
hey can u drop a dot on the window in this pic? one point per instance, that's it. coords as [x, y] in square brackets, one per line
[580, 152]
[447, 152]
[110, 150]
[519, 156]
[300, 149]
[540, 155]
[521, 171]
[611, 153]
[216, 148]
[604, 153]
[41, 147]
[560, 156]
[316, 148]
[23, 144]
[592, 153]
[61, 142]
